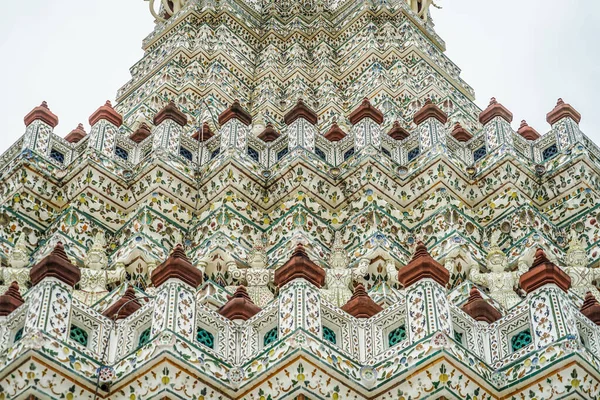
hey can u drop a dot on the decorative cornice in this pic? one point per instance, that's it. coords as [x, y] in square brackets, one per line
[494, 110]
[10, 300]
[42, 113]
[235, 111]
[528, 132]
[366, 110]
[76, 134]
[55, 265]
[300, 110]
[108, 113]
[170, 112]
[141, 133]
[423, 266]
[335, 133]
[430, 110]
[479, 309]
[461, 134]
[204, 133]
[124, 307]
[543, 272]
[591, 308]
[299, 266]
[269, 134]
[561, 111]
[177, 266]
[361, 305]
[239, 306]
[398, 132]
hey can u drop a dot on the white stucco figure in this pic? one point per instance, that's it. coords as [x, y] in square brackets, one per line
[18, 269]
[257, 276]
[95, 277]
[339, 278]
[499, 281]
[421, 7]
[582, 276]
[168, 8]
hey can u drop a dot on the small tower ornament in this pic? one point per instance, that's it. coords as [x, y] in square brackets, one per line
[582, 276]
[18, 269]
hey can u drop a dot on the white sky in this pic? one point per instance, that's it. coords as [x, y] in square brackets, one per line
[76, 54]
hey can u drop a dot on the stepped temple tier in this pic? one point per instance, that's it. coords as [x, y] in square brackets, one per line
[299, 200]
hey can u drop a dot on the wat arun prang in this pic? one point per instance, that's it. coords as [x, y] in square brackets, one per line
[299, 200]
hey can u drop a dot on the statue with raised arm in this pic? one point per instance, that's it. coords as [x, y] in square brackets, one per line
[95, 277]
[582, 276]
[167, 8]
[18, 270]
[257, 276]
[339, 278]
[499, 280]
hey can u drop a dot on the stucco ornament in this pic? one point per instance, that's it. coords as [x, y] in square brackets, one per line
[339, 278]
[95, 277]
[18, 270]
[167, 8]
[582, 277]
[499, 280]
[421, 7]
[257, 276]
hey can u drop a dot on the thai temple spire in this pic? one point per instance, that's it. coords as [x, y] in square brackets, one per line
[299, 199]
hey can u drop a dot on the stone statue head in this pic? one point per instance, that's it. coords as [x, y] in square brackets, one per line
[577, 254]
[496, 259]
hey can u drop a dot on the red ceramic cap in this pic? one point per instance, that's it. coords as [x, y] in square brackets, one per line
[235, 111]
[300, 110]
[335, 133]
[423, 266]
[204, 133]
[543, 272]
[528, 132]
[430, 110]
[56, 265]
[366, 110]
[591, 308]
[108, 113]
[141, 133]
[10, 300]
[398, 132]
[300, 266]
[177, 266]
[461, 134]
[239, 306]
[269, 134]
[494, 110]
[124, 307]
[42, 113]
[561, 111]
[76, 134]
[361, 305]
[170, 112]
[479, 309]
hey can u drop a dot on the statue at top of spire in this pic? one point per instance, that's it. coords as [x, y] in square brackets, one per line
[421, 7]
[167, 8]
[499, 280]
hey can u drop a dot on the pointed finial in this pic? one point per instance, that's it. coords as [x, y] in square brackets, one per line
[361, 305]
[10, 300]
[239, 306]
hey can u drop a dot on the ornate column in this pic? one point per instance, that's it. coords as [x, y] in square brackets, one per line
[40, 123]
[496, 121]
[234, 123]
[551, 311]
[366, 121]
[50, 299]
[299, 281]
[564, 120]
[105, 122]
[301, 122]
[431, 123]
[169, 124]
[176, 281]
[427, 308]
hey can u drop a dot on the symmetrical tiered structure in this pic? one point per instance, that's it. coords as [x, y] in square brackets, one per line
[299, 200]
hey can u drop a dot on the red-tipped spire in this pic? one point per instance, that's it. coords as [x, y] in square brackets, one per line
[494, 110]
[335, 133]
[423, 266]
[361, 305]
[430, 110]
[204, 133]
[269, 134]
[76, 134]
[591, 308]
[479, 309]
[366, 110]
[528, 132]
[10, 300]
[124, 307]
[461, 134]
[170, 112]
[561, 111]
[141, 133]
[235, 111]
[42, 113]
[239, 306]
[543, 272]
[55, 265]
[398, 132]
[108, 113]
[177, 266]
[300, 266]
[300, 110]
